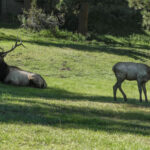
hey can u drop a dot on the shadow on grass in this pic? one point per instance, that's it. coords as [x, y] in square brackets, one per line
[61, 94]
[73, 117]
[111, 47]
[5, 37]
[9, 25]
[135, 54]
[28, 110]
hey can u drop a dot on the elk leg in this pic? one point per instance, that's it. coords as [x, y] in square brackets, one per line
[124, 95]
[115, 90]
[116, 86]
[140, 90]
[145, 92]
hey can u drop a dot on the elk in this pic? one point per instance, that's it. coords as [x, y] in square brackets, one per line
[16, 76]
[131, 71]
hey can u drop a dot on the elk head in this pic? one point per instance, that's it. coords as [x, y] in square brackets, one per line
[4, 68]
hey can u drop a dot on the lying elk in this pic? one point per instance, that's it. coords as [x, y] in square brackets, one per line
[131, 71]
[15, 76]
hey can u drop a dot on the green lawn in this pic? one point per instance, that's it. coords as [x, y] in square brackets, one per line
[76, 111]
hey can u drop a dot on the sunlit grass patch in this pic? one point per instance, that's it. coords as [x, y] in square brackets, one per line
[77, 110]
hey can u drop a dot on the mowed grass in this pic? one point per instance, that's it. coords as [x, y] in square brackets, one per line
[76, 111]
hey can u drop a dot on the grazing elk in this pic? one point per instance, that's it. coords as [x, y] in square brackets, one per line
[131, 71]
[15, 76]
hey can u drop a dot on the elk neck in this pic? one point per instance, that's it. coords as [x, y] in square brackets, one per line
[4, 70]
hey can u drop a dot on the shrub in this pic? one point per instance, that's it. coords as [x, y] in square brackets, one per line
[36, 19]
[69, 35]
[143, 7]
[146, 20]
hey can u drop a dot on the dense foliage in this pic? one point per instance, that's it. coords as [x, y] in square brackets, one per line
[144, 7]
[109, 16]
[113, 17]
[104, 17]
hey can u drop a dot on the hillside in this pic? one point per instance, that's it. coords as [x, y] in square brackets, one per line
[77, 110]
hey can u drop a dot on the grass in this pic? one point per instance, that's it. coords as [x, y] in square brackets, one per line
[77, 110]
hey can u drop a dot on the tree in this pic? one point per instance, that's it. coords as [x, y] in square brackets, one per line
[27, 4]
[34, 3]
[76, 10]
[83, 18]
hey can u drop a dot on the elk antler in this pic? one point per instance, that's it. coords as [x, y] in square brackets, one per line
[13, 47]
[2, 49]
[3, 53]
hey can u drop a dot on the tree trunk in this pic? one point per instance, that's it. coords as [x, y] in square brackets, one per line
[83, 18]
[27, 4]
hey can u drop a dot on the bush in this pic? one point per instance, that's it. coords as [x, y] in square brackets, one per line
[36, 19]
[69, 35]
[143, 7]
[146, 20]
